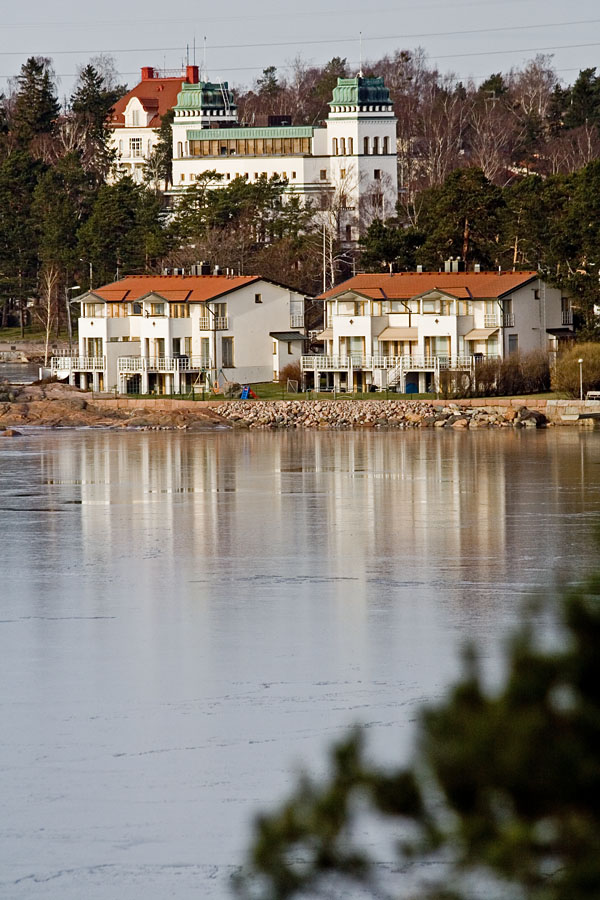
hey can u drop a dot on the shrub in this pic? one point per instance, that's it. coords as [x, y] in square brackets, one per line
[293, 371]
[566, 374]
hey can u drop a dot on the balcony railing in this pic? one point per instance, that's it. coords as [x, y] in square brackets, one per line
[163, 363]
[508, 320]
[78, 363]
[297, 321]
[214, 323]
[407, 363]
[567, 317]
[491, 321]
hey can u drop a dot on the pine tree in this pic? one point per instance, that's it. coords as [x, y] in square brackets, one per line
[36, 105]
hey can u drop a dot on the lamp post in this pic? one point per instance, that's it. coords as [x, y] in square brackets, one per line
[68, 302]
[89, 262]
[580, 361]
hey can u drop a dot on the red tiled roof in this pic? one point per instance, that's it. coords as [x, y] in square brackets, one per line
[157, 95]
[404, 285]
[178, 288]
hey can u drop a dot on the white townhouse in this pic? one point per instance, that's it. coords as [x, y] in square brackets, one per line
[134, 121]
[345, 166]
[398, 331]
[172, 333]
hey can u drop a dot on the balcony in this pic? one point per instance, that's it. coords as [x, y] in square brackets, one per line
[64, 364]
[567, 317]
[297, 321]
[214, 323]
[163, 364]
[508, 320]
[406, 363]
[491, 321]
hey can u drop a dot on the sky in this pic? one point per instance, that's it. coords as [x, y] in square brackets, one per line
[471, 38]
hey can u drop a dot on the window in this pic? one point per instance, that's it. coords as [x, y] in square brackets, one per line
[348, 232]
[135, 117]
[536, 293]
[375, 146]
[343, 146]
[290, 351]
[323, 174]
[335, 146]
[179, 310]
[294, 175]
[205, 351]
[350, 146]
[377, 174]
[227, 352]
[513, 343]
[121, 148]
[258, 298]
[342, 173]
[136, 309]
[366, 146]
[135, 147]
[274, 348]
[179, 149]
[157, 309]
[183, 176]
[91, 310]
[228, 176]
[386, 145]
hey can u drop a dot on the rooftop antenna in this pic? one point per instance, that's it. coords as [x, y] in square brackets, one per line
[360, 70]
[204, 70]
[187, 54]
[194, 52]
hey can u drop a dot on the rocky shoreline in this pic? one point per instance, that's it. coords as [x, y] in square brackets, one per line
[58, 405]
[341, 414]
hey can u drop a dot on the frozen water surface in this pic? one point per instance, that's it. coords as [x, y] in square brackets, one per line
[187, 619]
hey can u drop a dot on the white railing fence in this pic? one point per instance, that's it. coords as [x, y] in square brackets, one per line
[213, 323]
[163, 363]
[78, 363]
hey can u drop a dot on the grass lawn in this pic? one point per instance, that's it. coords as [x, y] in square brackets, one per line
[32, 333]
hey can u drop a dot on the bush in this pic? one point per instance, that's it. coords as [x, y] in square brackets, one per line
[566, 374]
[293, 371]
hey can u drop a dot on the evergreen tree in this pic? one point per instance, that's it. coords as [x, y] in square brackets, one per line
[501, 800]
[123, 232]
[385, 244]
[92, 100]
[36, 105]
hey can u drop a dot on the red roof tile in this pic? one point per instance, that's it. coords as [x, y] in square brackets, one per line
[404, 285]
[157, 95]
[176, 288]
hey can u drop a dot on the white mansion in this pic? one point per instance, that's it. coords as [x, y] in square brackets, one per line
[346, 165]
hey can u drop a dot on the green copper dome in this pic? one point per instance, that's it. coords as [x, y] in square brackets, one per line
[360, 91]
[206, 95]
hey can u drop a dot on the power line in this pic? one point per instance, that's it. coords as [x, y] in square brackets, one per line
[336, 40]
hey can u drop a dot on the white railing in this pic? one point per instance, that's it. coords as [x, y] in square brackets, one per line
[78, 363]
[316, 363]
[508, 320]
[491, 321]
[567, 317]
[214, 323]
[163, 363]
[297, 321]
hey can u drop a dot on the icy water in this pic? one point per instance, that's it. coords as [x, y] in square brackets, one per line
[187, 619]
[19, 373]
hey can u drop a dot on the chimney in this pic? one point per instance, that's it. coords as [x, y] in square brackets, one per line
[147, 73]
[448, 265]
[191, 74]
[419, 269]
[477, 268]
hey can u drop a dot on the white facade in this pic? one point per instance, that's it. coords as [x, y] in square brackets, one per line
[169, 334]
[346, 167]
[378, 333]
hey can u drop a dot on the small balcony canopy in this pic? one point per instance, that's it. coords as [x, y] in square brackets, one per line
[398, 334]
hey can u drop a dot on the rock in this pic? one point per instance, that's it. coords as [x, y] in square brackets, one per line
[10, 432]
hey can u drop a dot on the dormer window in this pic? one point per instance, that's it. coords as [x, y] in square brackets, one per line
[135, 117]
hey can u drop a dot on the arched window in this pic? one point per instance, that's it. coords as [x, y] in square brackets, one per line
[350, 146]
[366, 146]
[343, 146]
[375, 146]
[386, 148]
[335, 146]
[179, 149]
